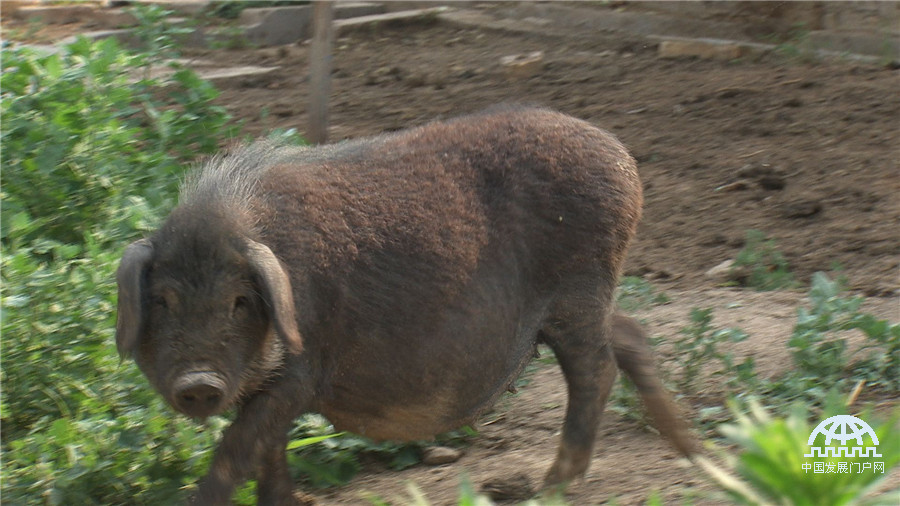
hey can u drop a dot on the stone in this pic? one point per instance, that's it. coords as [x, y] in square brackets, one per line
[800, 209]
[710, 49]
[235, 72]
[720, 270]
[439, 455]
[521, 66]
[125, 37]
[727, 272]
[764, 174]
[55, 15]
[412, 16]
[115, 18]
[734, 186]
[275, 26]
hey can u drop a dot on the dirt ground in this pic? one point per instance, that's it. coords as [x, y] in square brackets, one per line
[806, 152]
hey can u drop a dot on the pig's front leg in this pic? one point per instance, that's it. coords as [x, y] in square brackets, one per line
[274, 486]
[256, 442]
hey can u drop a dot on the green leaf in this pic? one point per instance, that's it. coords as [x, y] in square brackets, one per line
[406, 456]
[300, 443]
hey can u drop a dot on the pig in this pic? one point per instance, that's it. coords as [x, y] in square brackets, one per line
[395, 284]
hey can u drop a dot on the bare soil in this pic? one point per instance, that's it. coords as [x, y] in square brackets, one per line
[806, 152]
[803, 151]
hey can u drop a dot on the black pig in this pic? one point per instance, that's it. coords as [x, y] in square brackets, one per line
[396, 284]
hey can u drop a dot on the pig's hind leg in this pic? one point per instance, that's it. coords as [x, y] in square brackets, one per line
[578, 332]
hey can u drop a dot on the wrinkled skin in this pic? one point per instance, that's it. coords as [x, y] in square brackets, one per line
[397, 285]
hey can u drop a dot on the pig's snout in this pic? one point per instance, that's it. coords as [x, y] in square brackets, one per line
[199, 394]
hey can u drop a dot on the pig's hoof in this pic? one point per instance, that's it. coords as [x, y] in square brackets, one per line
[569, 465]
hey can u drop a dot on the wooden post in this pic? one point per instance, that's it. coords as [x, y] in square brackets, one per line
[320, 71]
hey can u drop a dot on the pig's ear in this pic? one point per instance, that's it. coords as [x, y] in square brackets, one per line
[131, 277]
[276, 288]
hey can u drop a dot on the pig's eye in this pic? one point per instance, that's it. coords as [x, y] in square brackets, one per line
[240, 303]
[160, 302]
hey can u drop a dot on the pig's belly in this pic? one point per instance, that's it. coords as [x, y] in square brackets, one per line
[404, 379]
[397, 423]
[420, 396]
[424, 415]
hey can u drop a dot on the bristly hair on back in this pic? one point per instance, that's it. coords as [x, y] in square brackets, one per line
[232, 177]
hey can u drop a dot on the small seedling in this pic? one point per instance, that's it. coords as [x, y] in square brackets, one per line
[796, 45]
[761, 265]
[820, 351]
[699, 344]
[637, 293]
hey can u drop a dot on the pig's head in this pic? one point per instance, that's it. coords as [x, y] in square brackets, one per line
[206, 312]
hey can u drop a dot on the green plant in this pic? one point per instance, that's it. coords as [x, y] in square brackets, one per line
[85, 144]
[158, 37]
[625, 402]
[74, 420]
[819, 351]
[772, 468]
[760, 265]
[796, 44]
[288, 136]
[337, 457]
[699, 344]
[92, 155]
[888, 55]
[654, 499]
[635, 293]
[334, 462]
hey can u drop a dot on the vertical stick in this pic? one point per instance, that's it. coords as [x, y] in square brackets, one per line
[320, 71]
